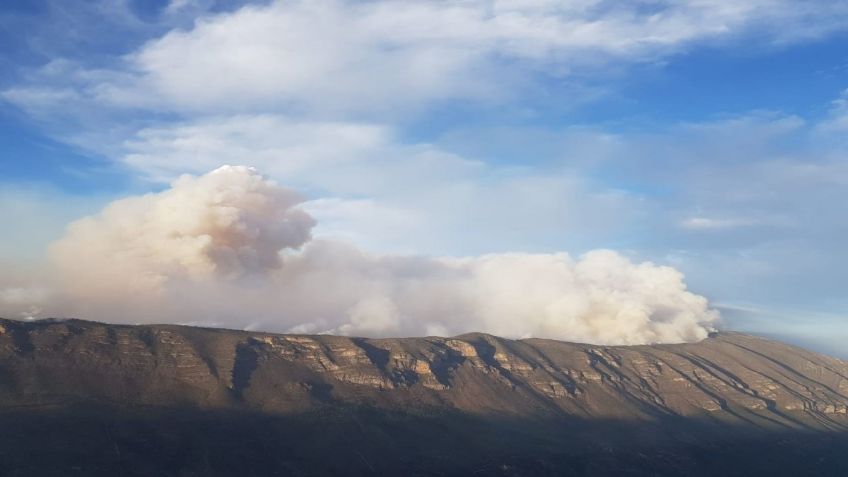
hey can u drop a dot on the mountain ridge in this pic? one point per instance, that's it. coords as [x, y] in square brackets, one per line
[728, 373]
[418, 406]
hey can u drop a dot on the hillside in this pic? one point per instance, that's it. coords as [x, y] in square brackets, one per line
[98, 399]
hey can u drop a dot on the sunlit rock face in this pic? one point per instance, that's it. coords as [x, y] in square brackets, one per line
[109, 400]
[728, 376]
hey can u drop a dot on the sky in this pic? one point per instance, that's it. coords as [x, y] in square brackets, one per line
[700, 137]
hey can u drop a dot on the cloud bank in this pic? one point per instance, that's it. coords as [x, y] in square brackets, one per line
[365, 61]
[232, 248]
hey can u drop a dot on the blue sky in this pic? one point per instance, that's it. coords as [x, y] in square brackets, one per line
[704, 135]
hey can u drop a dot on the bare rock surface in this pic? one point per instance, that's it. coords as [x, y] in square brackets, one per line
[561, 397]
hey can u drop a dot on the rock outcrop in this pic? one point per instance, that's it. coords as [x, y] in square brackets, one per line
[84, 398]
[728, 377]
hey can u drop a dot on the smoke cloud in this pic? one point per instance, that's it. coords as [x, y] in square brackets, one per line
[228, 224]
[232, 248]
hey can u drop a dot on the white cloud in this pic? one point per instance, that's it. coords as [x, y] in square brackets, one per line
[305, 90]
[838, 121]
[280, 145]
[331, 55]
[379, 58]
[707, 223]
[362, 179]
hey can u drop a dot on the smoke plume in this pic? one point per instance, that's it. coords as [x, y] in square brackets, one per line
[232, 248]
[228, 224]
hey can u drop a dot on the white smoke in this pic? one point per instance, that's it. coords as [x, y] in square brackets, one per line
[228, 224]
[232, 248]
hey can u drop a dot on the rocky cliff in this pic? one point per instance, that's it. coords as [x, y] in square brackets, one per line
[536, 389]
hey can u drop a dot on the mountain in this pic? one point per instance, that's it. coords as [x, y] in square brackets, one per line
[85, 398]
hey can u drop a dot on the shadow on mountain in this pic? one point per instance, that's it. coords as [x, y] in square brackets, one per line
[102, 440]
[85, 398]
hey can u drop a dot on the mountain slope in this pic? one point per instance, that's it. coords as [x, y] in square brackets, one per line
[560, 408]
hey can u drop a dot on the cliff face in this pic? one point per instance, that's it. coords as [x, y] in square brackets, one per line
[730, 377]
[534, 390]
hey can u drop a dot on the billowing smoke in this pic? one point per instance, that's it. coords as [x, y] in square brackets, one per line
[229, 224]
[232, 249]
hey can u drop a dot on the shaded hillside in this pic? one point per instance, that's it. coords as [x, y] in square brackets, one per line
[139, 400]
